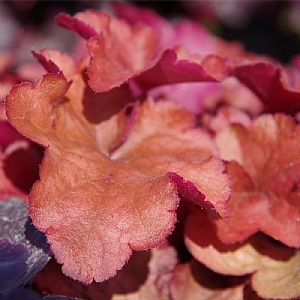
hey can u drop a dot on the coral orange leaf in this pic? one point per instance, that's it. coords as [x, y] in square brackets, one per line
[91, 206]
[265, 179]
[96, 203]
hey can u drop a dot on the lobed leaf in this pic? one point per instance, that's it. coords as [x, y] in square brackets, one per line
[164, 139]
[277, 86]
[264, 180]
[95, 107]
[114, 61]
[268, 260]
[92, 206]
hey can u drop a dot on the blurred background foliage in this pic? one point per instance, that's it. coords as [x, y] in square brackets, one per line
[264, 27]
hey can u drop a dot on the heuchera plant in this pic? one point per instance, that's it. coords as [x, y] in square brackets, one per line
[157, 137]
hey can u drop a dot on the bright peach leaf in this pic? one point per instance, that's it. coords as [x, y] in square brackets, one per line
[194, 281]
[265, 180]
[269, 261]
[164, 139]
[90, 206]
[285, 273]
[114, 61]
[95, 204]
[96, 106]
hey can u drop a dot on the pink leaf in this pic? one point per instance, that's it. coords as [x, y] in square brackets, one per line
[275, 86]
[76, 25]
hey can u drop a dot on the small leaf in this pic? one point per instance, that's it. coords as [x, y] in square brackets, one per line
[18, 232]
[276, 86]
[12, 264]
[76, 25]
[265, 179]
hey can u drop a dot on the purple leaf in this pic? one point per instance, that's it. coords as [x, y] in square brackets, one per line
[12, 264]
[23, 246]
[25, 294]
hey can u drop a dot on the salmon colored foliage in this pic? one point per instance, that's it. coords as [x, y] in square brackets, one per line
[110, 191]
[277, 86]
[170, 164]
[265, 180]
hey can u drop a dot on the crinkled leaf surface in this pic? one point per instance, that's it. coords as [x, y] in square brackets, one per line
[90, 219]
[95, 204]
[268, 260]
[146, 276]
[194, 281]
[113, 58]
[24, 250]
[165, 68]
[265, 180]
[114, 61]
[286, 274]
[84, 98]
[164, 139]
